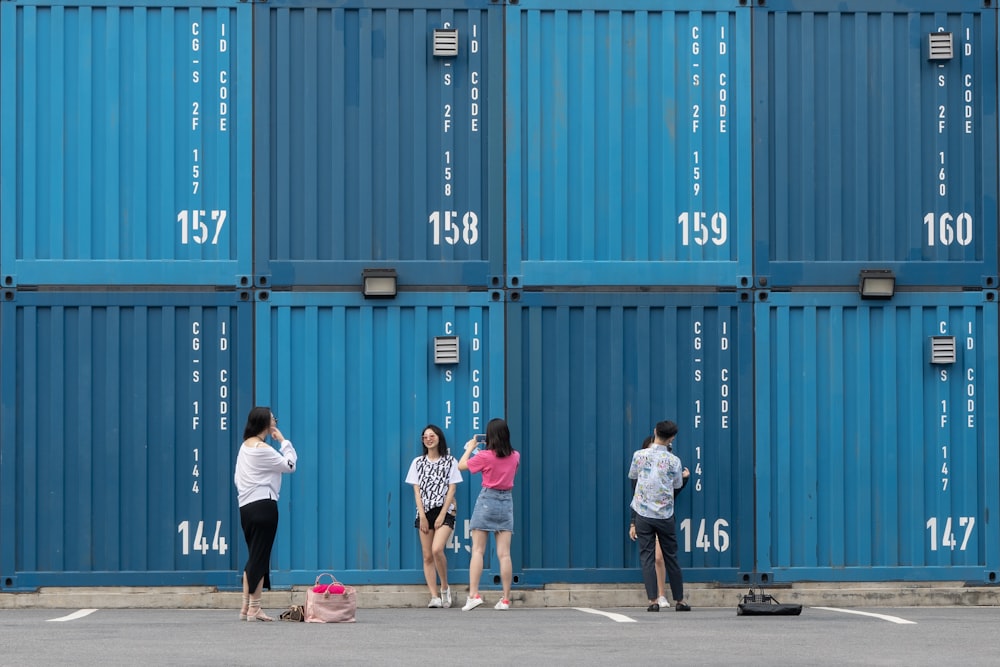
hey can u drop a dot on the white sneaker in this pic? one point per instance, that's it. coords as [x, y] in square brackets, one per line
[502, 604]
[446, 598]
[435, 603]
[662, 601]
[472, 603]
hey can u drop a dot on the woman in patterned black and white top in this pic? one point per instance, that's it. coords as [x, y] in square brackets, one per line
[434, 476]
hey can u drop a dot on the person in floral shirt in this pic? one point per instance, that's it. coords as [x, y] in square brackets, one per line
[658, 472]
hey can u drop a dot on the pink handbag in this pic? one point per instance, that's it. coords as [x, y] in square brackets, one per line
[330, 603]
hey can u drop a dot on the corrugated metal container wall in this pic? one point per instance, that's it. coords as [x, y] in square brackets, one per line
[119, 440]
[127, 144]
[628, 143]
[875, 463]
[373, 151]
[869, 152]
[589, 376]
[354, 383]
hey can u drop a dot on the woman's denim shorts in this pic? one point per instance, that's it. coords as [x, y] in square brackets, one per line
[494, 511]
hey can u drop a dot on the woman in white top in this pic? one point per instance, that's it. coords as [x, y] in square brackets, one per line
[434, 476]
[259, 468]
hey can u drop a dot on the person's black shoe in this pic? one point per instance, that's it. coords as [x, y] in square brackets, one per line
[683, 606]
[653, 607]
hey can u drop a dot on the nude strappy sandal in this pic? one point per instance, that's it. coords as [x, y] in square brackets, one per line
[255, 613]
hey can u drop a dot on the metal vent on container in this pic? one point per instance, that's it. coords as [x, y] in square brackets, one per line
[943, 350]
[445, 43]
[445, 349]
[940, 46]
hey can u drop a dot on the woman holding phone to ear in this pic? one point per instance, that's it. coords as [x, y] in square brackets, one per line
[259, 467]
[494, 511]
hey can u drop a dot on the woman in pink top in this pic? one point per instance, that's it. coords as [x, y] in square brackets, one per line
[494, 511]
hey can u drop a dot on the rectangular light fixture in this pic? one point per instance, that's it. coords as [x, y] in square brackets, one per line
[378, 283]
[877, 284]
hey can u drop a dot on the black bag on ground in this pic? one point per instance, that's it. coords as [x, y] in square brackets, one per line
[762, 604]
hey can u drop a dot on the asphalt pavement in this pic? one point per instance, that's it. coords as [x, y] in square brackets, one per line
[522, 636]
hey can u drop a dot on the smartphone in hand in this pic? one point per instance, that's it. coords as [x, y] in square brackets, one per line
[480, 439]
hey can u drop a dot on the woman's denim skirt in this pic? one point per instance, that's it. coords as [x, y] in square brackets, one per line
[494, 511]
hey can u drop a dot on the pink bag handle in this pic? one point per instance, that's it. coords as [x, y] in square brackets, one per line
[326, 591]
[326, 574]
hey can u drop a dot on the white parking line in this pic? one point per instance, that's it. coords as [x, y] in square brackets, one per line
[884, 617]
[618, 618]
[72, 617]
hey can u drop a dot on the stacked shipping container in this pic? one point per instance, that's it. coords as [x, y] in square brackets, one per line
[125, 242]
[873, 150]
[614, 214]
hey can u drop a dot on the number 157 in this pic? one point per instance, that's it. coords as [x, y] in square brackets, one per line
[194, 225]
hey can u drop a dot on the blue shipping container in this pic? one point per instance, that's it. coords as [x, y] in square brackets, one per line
[589, 375]
[870, 151]
[373, 151]
[355, 382]
[126, 144]
[628, 143]
[877, 460]
[121, 417]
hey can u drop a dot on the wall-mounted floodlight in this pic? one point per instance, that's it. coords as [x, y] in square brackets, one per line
[378, 283]
[940, 46]
[877, 284]
[445, 349]
[445, 43]
[943, 350]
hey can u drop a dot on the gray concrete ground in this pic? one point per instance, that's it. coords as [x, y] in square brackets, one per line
[894, 594]
[525, 636]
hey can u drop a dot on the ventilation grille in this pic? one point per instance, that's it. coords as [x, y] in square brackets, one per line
[943, 350]
[940, 46]
[446, 349]
[445, 43]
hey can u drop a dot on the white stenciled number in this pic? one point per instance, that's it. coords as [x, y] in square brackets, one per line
[719, 540]
[456, 544]
[195, 226]
[470, 228]
[445, 225]
[219, 541]
[702, 542]
[701, 227]
[696, 174]
[200, 542]
[721, 535]
[182, 528]
[948, 540]
[948, 229]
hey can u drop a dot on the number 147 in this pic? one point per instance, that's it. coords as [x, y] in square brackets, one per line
[948, 540]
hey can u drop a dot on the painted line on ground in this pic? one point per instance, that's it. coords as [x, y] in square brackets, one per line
[884, 617]
[72, 617]
[617, 618]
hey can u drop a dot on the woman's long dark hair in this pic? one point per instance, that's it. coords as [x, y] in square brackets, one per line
[498, 438]
[442, 447]
[258, 420]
